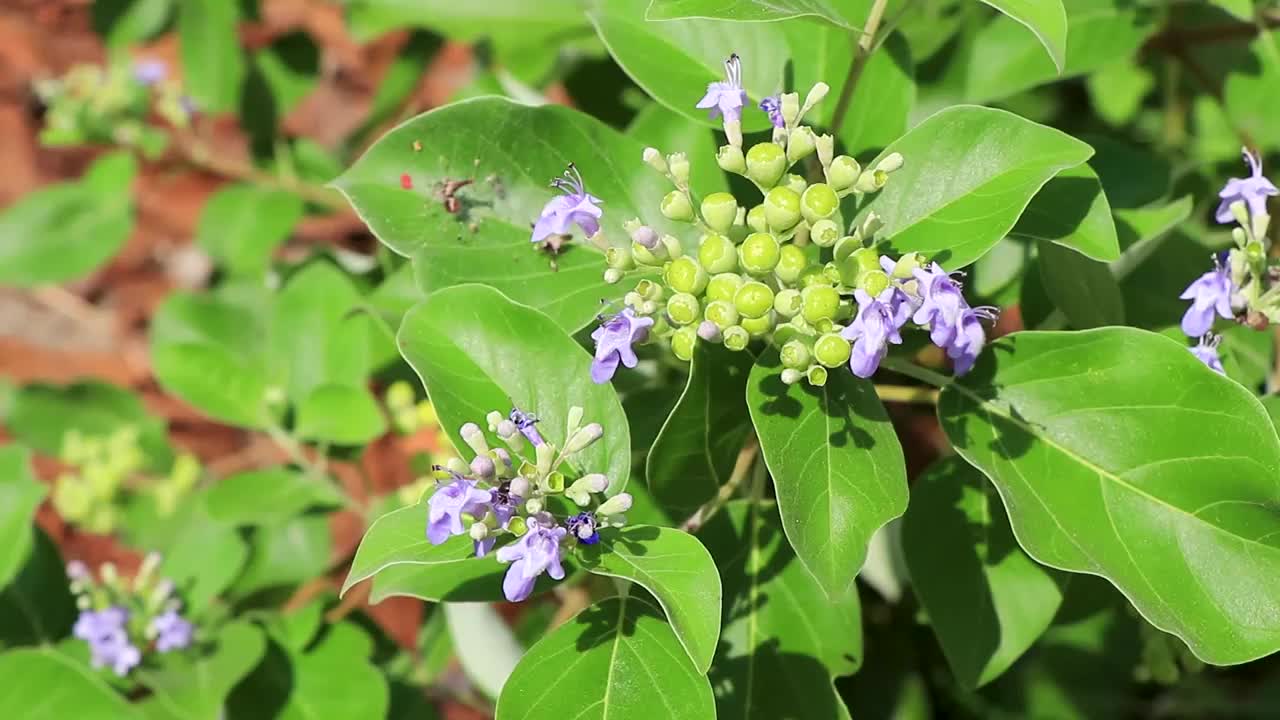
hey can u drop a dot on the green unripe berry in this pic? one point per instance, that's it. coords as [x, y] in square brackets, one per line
[754, 299]
[791, 263]
[722, 313]
[782, 209]
[683, 342]
[845, 247]
[824, 233]
[724, 286]
[819, 201]
[717, 254]
[761, 326]
[831, 350]
[817, 375]
[796, 354]
[821, 302]
[620, 258]
[759, 253]
[684, 309]
[813, 275]
[861, 261]
[800, 144]
[756, 219]
[720, 210]
[675, 206]
[685, 275]
[873, 282]
[730, 159]
[766, 162]
[843, 173]
[795, 183]
[736, 338]
[787, 303]
[649, 290]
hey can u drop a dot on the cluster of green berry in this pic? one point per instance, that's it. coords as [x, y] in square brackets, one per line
[408, 414]
[783, 270]
[92, 104]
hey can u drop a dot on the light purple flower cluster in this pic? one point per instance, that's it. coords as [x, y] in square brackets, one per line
[108, 637]
[575, 206]
[614, 339]
[1210, 293]
[876, 325]
[1253, 191]
[171, 630]
[492, 496]
[772, 106]
[726, 97]
[953, 325]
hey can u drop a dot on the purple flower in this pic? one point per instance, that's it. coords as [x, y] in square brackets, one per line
[953, 325]
[150, 72]
[726, 98]
[878, 321]
[536, 552]
[1206, 351]
[613, 339]
[575, 207]
[108, 639]
[969, 338]
[503, 506]
[1253, 191]
[448, 503]
[1210, 292]
[172, 631]
[583, 527]
[773, 106]
[525, 422]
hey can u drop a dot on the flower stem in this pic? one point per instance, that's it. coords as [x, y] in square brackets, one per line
[912, 370]
[741, 469]
[199, 155]
[862, 52]
[907, 394]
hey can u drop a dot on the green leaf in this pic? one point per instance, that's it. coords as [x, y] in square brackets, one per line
[1046, 19]
[986, 600]
[42, 684]
[286, 554]
[340, 414]
[66, 231]
[1083, 289]
[1100, 442]
[477, 352]
[242, 225]
[314, 332]
[837, 468]
[676, 569]
[511, 151]
[269, 497]
[487, 649]
[1242, 9]
[20, 495]
[290, 68]
[1072, 211]
[774, 626]
[746, 10]
[42, 414]
[36, 606]
[955, 219]
[616, 660]
[129, 22]
[196, 689]
[495, 19]
[694, 453]
[212, 62]
[204, 558]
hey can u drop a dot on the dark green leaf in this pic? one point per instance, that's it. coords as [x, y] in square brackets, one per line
[20, 494]
[195, 689]
[36, 606]
[1072, 211]
[1083, 289]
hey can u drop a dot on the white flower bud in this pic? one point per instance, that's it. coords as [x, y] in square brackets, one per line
[478, 531]
[671, 246]
[871, 224]
[575, 420]
[583, 438]
[790, 109]
[493, 419]
[733, 129]
[815, 96]
[679, 164]
[826, 147]
[519, 486]
[615, 505]
[871, 181]
[646, 236]
[613, 276]
[474, 439]
[533, 506]
[457, 466]
[595, 482]
[891, 163]
[654, 158]
[483, 467]
[791, 376]
[580, 497]
[546, 454]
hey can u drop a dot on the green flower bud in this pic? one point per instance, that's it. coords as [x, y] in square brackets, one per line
[891, 163]
[761, 326]
[722, 312]
[649, 290]
[791, 262]
[731, 159]
[676, 206]
[683, 309]
[819, 201]
[871, 181]
[843, 172]
[817, 375]
[800, 144]
[845, 247]
[787, 302]
[620, 258]
[860, 262]
[686, 275]
[791, 108]
[873, 282]
[821, 302]
[756, 219]
[906, 265]
[814, 275]
[754, 299]
[766, 162]
[871, 224]
[759, 253]
[719, 210]
[794, 182]
[399, 395]
[679, 164]
[736, 338]
[724, 286]
[717, 254]
[824, 233]
[782, 209]
[796, 354]
[655, 161]
[671, 246]
[683, 342]
[831, 350]
[815, 96]
[826, 147]
[647, 257]
[791, 376]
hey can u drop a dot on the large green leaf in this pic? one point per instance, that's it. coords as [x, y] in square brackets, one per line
[204, 557]
[269, 497]
[748, 10]
[340, 414]
[511, 151]
[837, 468]
[955, 218]
[213, 64]
[42, 415]
[696, 449]
[987, 601]
[42, 684]
[1118, 454]
[497, 19]
[1046, 19]
[477, 352]
[1072, 210]
[780, 645]
[196, 688]
[286, 554]
[241, 226]
[616, 660]
[20, 494]
[486, 647]
[1083, 289]
[36, 606]
[316, 336]
[676, 569]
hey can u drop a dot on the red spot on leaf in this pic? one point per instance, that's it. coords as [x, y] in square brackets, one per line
[406, 182]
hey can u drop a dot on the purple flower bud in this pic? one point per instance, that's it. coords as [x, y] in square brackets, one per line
[614, 339]
[77, 571]
[645, 236]
[773, 106]
[1253, 191]
[1210, 292]
[709, 331]
[108, 639]
[525, 424]
[583, 528]
[575, 207]
[1206, 351]
[726, 98]
[448, 503]
[536, 552]
[150, 72]
[172, 631]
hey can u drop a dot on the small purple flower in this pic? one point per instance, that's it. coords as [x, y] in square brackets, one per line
[773, 106]
[969, 338]
[953, 325]
[876, 325]
[447, 505]
[536, 552]
[503, 506]
[172, 631]
[583, 527]
[726, 97]
[1209, 293]
[150, 72]
[575, 207]
[1206, 351]
[108, 639]
[525, 422]
[613, 339]
[1253, 191]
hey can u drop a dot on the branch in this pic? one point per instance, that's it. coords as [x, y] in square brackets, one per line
[860, 56]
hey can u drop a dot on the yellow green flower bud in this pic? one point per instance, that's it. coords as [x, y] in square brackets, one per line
[722, 312]
[890, 163]
[719, 211]
[791, 263]
[684, 341]
[824, 233]
[736, 338]
[795, 183]
[791, 108]
[845, 247]
[906, 265]
[871, 181]
[724, 286]
[796, 354]
[873, 282]
[683, 309]
[817, 375]
[679, 165]
[649, 290]
[754, 299]
[787, 302]
[782, 209]
[756, 219]
[759, 253]
[831, 350]
[819, 201]
[766, 162]
[800, 144]
[821, 302]
[686, 275]
[676, 206]
[620, 258]
[761, 326]
[717, 254]
[655, 161]
[843, 172]
[399, 395]
[731, 159]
